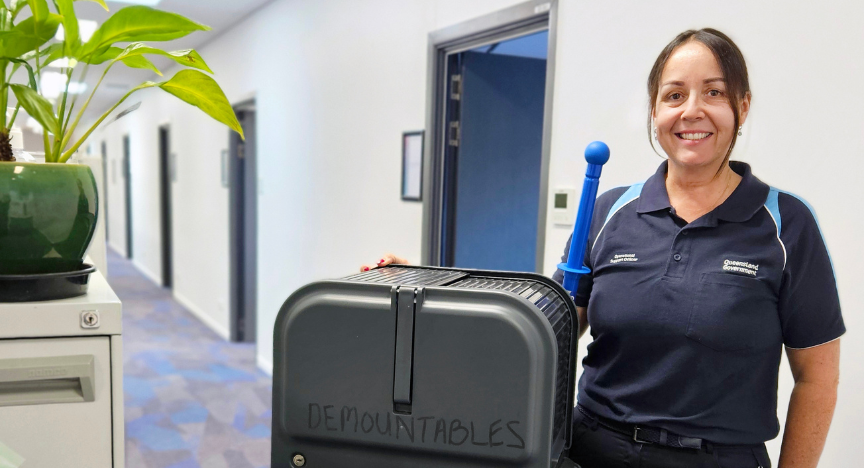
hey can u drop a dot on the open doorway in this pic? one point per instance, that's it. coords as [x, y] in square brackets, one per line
[166, 178]
[243, 188]
[127, 181]
[489, 120]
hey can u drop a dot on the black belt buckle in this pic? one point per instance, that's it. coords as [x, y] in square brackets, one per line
[636, 437]
[669, 440]
[690, 442]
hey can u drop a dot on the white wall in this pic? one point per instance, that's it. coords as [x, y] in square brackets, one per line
[337, 82]
[116, 196]
[96, 253]
[200, 208]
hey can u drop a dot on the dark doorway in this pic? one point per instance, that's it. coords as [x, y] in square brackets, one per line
[243, 188]
[127, 179]
[493, 154]
[166, 178]
[104, 215]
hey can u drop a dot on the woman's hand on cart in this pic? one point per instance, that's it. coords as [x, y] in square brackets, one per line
[386, 259]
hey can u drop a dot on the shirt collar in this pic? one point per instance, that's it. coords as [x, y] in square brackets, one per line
[741, 205]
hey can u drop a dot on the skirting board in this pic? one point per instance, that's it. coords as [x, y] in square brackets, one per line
[209, 321]
[118, 249]
[265, 364]
[156, 279]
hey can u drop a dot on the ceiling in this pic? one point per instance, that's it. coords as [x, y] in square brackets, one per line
[220, 15]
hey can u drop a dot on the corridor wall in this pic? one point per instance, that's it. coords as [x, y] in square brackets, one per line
[336, 83]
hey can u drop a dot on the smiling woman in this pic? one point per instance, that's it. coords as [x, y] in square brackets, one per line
[726, 86]
[699, 277]
[722, 272]
[700, 97]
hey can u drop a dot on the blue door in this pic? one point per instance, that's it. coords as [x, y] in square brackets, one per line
[495, 184]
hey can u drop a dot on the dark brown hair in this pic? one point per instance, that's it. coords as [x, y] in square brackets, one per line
[731, 62]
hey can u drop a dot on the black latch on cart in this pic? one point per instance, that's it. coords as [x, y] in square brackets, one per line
[406, 302]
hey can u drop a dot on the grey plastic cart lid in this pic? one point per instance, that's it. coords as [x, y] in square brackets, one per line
[424, 367]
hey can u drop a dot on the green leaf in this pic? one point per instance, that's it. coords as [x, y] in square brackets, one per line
[28, 35]
[139, 61]
[187, 57]
[109, 54]
[39, 8]
[139, 23]
[47, 55]
[16, 6]
[37, 107]
[101, 2]
[203, 92]
[18, 62]
[5, 17]
[53, 49]
[71, 37]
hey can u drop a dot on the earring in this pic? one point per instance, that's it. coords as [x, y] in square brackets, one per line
[739, 130]
[655, 134]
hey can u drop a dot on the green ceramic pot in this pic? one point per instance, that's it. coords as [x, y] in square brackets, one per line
[47, 216]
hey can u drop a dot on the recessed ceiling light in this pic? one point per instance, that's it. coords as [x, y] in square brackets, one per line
[77, 87]
[86, 28]
[63, 63]
[53, 84]
[138, 2]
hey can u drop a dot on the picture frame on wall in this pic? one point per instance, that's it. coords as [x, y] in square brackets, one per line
[412, 165]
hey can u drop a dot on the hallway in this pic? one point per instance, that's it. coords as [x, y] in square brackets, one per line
[191, 398]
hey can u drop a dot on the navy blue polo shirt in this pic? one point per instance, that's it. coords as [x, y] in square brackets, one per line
[689, 320]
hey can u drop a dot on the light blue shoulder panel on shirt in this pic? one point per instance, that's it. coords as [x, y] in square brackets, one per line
[631, 194]
[775, 211]
[774, 208]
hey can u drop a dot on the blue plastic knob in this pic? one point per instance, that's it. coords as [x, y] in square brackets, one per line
[597, 153]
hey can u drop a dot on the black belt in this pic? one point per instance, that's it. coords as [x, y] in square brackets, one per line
[644, 434]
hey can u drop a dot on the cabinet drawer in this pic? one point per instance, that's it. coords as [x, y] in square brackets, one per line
[56, 411]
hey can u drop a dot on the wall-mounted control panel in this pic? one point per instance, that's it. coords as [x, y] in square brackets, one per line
[564, 204]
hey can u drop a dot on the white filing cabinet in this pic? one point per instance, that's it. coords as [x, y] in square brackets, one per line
[61, 381]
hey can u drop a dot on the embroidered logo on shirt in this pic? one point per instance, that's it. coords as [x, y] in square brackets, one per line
[618, 258]
[740, 267]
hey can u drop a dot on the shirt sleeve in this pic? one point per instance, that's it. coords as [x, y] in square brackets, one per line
[809, 305]
[586, 282]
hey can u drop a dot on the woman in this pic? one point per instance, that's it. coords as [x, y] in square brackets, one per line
[700, 276]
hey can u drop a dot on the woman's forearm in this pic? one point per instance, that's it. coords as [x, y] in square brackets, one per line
[810, 411]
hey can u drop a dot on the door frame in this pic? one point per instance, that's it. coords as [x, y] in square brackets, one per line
[518, 20]
[127, 181]
[243, 229]
[166, 179]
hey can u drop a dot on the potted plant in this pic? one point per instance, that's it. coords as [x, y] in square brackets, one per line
[48, 211]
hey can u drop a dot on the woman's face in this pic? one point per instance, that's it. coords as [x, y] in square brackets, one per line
[693, 117]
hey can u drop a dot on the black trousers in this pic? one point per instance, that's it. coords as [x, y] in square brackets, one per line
[595, 446]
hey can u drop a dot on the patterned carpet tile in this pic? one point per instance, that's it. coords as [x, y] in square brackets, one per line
[192, 400]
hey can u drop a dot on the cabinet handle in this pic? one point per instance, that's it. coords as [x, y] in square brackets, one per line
[46, 380]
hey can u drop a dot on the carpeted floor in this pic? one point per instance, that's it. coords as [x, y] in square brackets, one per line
[192, 399]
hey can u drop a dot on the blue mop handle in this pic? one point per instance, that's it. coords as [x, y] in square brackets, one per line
[597, 154]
